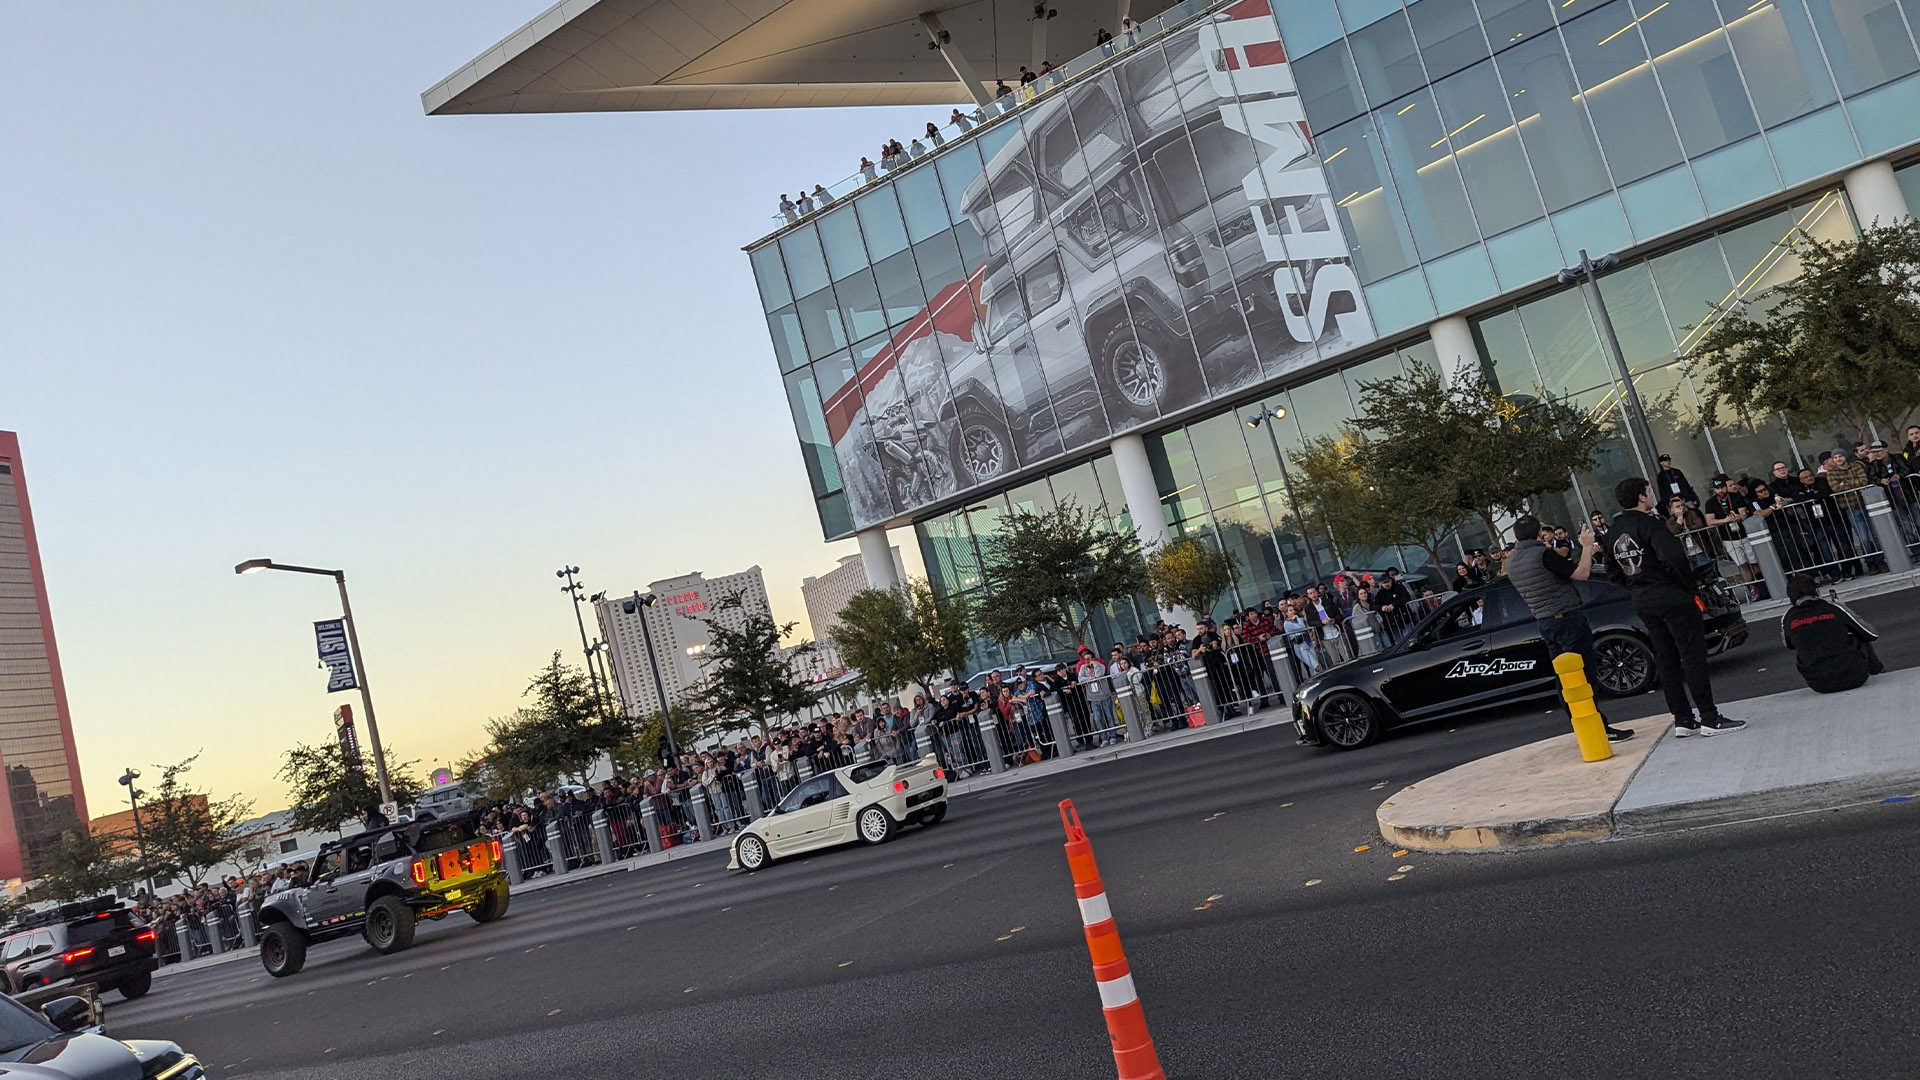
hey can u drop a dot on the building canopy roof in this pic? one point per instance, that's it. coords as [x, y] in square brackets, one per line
[645, 55]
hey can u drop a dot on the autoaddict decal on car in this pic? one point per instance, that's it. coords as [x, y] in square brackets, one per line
[1260, 98]
[1501, 666]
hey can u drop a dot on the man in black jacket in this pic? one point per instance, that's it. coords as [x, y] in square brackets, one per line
[1650, 563]
[1833, 647]
[1671, 482]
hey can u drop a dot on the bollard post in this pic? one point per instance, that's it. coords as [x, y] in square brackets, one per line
[650, 822]
[751, 789]
[603, 837]
[1132, 706]
[1133, 1053]
[990, 738]
[510, 854]
[1062, 725]
[247, 936]
[1588, 729]
[1365, 642]
[1279, 662]
[1893, 545]
[1203, 687]
[804, 769]
[702, 816]
[555, 849]
[215, 936]
[1760, 535]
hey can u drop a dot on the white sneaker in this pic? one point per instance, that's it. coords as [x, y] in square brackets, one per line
[1722, 726]
[1683, 731]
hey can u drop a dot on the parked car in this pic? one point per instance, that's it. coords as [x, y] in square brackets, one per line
[62, 1041]
[866, 802]
[1455, 661]
[96, 941]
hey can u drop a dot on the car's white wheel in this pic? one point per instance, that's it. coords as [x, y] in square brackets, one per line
[752, 852]
[876, 825]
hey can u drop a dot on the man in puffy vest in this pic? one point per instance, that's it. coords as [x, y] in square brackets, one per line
[1833, 647]
[1545, 578]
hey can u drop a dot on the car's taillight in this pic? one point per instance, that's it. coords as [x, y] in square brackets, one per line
[495, 846]
[76, 955]
[419, 872]
[146, 935]
[899, 785]
[939, 774]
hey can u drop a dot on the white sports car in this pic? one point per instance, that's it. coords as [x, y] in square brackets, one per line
[864, 802]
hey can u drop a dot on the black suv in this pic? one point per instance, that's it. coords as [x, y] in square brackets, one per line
[94, 941]
[1479, 649]
[380, 884]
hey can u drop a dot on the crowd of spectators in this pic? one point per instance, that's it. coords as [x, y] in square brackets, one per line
[181, 924]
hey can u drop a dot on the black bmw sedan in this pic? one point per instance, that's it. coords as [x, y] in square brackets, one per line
[1480, 649]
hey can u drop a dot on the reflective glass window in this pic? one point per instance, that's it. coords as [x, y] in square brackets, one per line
[1318, 408]
[840, 236]
[1425, 174]
[771, 277]
[1883, 118]
[1735, 174]
[1673, 415]
[1486, 149]
[1697, 70]
[993, 142]
[820, 323]
[1359, 13]
[1448, 35]
[789, 348]
[1597, 225]
[1785, 73]
[1175, 475]
[1460, 279]
[816, 449]
[1812, 145]
[1306, 25]
[880, 220]
[900, 293]
[1109, 475]
[1566, 161]
[1528, 253]
[1225, 470]
[1505, 358]
[806, 267]
[1610, 64]
[973, 252]
[939, 261]
[1247, 534]
[836, 371]
[922, 203]
[1370, 371]
[1510, 22]
[1637, 319]
[1662, 203]
[1761, 254]
[835, 518]
[1329, 88]
[1399, 302]
[1566, 347]
[958, 167]
[859, 300]
[1867, 41]
[1389, 64]
[1692, 280]
[1080, 486]
[1369, 210]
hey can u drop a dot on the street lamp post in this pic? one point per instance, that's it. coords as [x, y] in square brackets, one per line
[1270, 414]
[1586, 274]
[638, 605]
[139, 831]
[575, 590]
[254, 566]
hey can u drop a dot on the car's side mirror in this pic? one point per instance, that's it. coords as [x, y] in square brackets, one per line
[69, 1014]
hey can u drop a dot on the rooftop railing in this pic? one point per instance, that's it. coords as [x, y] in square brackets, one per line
[986, 117]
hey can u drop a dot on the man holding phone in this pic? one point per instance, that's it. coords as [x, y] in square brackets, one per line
[1545, 580]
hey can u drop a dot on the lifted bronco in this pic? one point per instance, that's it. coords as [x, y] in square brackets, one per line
[381, 884]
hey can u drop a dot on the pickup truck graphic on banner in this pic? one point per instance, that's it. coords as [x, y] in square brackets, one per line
[1154, 234]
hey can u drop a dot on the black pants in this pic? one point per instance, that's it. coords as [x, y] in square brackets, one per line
[1572, 633]
[1678, 632]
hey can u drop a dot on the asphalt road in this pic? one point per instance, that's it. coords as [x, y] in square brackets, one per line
[1262, 942]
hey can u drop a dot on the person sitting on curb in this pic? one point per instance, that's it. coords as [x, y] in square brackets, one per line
[1833, 647]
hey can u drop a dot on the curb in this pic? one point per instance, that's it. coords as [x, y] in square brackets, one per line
[1772, 802]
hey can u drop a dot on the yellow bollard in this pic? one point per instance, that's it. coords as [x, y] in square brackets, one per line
[1588, 729]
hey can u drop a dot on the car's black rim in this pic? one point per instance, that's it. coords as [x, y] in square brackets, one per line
[1346, 721]
[382, 926]
[275, 952]
[1624, 666]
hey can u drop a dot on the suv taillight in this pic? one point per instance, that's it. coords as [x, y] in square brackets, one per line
[147, 935]
[495, 848]
[73, 956]
[419, 872]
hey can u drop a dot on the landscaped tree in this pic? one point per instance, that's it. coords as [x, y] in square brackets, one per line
[561, 732]
[902, 636]
[1837, 345]
[189, 832]
[83, 865]
[747, 677]
[1353, 485]
[1050, 571]
[327, 790]
[1190, 573]
[644, 749]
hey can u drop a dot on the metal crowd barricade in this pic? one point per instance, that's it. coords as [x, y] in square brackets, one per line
[1242, 677]
[576, 840]
[627, 830]
[1819, 537]
[534, 856]
[1165, 690]
[962, 748]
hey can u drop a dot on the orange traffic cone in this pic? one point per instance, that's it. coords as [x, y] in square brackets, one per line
[1126, 1024]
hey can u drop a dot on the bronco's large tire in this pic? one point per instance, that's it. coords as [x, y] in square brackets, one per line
[390, 925]
[492, 905]
[283, 949]
[137, 986]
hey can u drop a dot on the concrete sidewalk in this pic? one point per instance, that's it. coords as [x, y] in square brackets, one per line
[1801, 751]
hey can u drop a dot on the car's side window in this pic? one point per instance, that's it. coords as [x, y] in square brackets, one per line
[1504, 607]
[15, 948]
[387, 848]
[359, 857]
[326, 865]
[835, 788]
[868, 771]
[42, 943]
[1457, 620]
[804, 794]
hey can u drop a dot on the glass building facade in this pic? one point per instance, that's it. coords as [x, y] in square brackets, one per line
[1470, 149]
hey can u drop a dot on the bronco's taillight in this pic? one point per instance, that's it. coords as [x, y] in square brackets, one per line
[899, 785]
[419, 872]
[496, 852]
[75, 955]
[146, 935]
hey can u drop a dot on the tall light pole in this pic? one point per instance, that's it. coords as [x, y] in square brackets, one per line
[254, 566]
[139, 831]
[1270, 415]
[578, 593]
[1586, 275]
[638, 604]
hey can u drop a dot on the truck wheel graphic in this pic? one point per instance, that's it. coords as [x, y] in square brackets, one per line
[981, 450]
[1133, 370]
